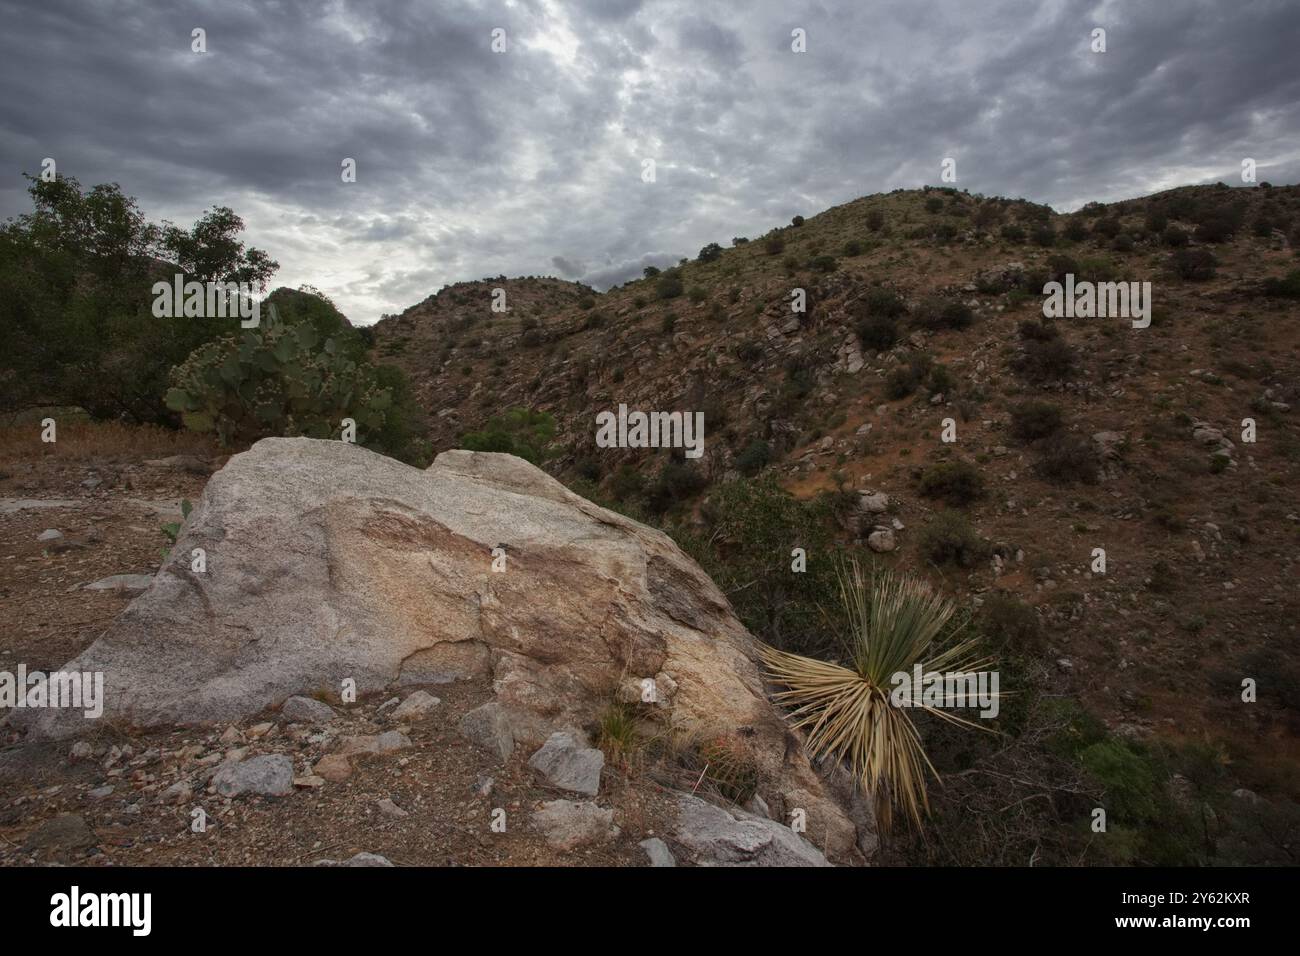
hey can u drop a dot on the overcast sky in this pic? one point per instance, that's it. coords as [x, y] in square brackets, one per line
[472, 163]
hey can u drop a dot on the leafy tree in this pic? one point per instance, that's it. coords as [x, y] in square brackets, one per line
[76, 278]
[711, 252]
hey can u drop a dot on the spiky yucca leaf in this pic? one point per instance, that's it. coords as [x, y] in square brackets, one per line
[847, 712]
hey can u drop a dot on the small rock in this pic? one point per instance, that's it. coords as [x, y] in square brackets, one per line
[488, 727]
[361, 859]
[563, 762]
[307, 710]
[658, 852]
[122, 583]
[179, 792]
[717, 837]
[270, 775]
[416, 706]
[387, 742]
[882, 540]
[309, 782]
[390, 809]
[877, 503]
[567, 825]
[50, 534]
[333, 767]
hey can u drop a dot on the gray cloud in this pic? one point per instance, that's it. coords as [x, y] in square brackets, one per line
[473, 163]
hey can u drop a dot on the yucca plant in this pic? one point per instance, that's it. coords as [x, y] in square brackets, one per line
[894, 623]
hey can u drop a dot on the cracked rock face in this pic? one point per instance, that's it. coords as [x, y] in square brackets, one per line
[326, 561]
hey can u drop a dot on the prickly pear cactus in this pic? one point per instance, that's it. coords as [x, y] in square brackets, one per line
[279, 379]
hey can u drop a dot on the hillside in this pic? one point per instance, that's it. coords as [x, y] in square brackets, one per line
[1139, 450]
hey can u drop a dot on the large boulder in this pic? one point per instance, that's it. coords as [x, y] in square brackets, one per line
[326, 562]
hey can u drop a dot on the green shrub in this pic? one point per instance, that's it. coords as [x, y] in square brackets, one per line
[882, 301]
[824, 264]
[1175, 238]
[627, 484]
[878, 332]
[1010, 624]
[749, 528]
[956, 483]
[520, 431]
[1196, 265]
[948, 538]
[668, 285]
[1037, 331]
[938, 313]
[1047, 360]
[1284, 288]
[903, 380]
[755, 457]
[1067, 458]
[852, 248]
[1107, 228]
[1035, 419]
[677, 481]
[1215, 229]
[774, 245]
[1132, 790]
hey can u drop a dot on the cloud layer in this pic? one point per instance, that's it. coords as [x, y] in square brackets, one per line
[473, 163]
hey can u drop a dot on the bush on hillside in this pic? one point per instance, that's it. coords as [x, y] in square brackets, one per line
[948, 538]
[1067, 458]
[669, 285]
[1035, 419]
[937, 313]
[522, 432]
[956, 483]
[1049, 360]
[1195, 265]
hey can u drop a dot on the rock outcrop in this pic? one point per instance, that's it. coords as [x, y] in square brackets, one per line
[327, 563]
